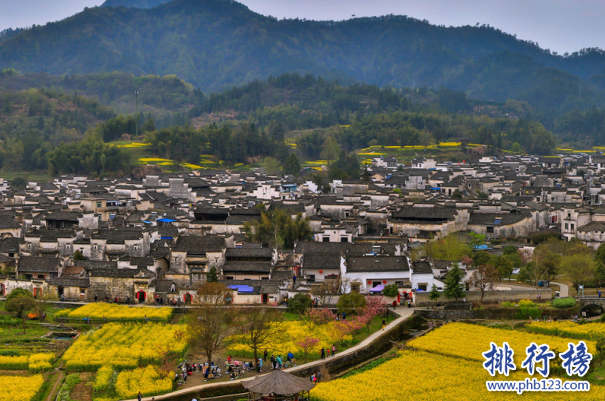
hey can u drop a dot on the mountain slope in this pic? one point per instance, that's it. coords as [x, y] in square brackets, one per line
[134, 3]
[221, 43]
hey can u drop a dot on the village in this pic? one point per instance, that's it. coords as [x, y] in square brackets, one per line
[139, 241]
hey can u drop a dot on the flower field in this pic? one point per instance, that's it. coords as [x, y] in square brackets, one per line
[147, 380]
[422, 376]
[117, 313]
[35, 362]
[18, 388]
[292, 332]
[125, 346]
[103, 378]
[469, 341]
[590, 331]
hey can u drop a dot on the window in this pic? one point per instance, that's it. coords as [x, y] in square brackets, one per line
[572, 227]
[99, 204]
[82, 291]
[355, 287]
[399, 283]
[344, 239]
[490, 230]
[469, 185]
[229, 278]
[311, 278]
[136, 247]
[326, 239]
[422, 286]
[566, 226]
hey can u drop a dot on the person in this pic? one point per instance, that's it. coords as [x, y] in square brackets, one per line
[464, 300]
[333, 350]
[383, 324]
[344, 316]
[128, 300]
[265, 355]
[140, 396]
[394, 304]
[96, 298]
[146, 319]
[294, 280]
[105, 318]
[176, 378]
[279, 362]
[172, 287]
[106, 298]
[290, 356]
[313, 378]
[599, 293]
[273, 362]
[206, 372]
[543, 316]
[229, 359]
[409, 303]
[323, 353]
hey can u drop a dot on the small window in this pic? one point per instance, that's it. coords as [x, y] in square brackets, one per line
[326, 239]
[422, 286]
[399, 283]
[344, 239]
[311, 278]
[355, 287]
[99, 204]
[566, 226]
[572, 227]
[82, 291]
[490, 230]
[229, 278]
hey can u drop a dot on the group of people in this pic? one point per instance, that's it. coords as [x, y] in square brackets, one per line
[322, 352]
[316, 377]
[211, 371]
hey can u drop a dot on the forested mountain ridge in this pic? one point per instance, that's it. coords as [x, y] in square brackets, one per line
[215, 44]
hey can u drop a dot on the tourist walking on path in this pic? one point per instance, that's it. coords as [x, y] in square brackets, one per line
[333, 350]
[323, 353]
[140, 396]
[383, 324]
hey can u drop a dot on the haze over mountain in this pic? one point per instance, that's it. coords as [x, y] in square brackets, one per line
[215, 44]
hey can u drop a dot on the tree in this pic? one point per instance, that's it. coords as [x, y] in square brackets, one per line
[78, 255]
[330, 150]
[299, 303]
[454, 288]
[257, 327]
[374, 306]
[390, 290]
[325, 292]
[600, 274]
[20, 305]
[503, 266]
[212, 277]
[579, 267]
[483, 279]
[277, 228]
[600, 254]
[17, 292]
[351, 302]
[481, 258]
[434, 294]
[208, 322]
[292, 165]
[306, 344]
[452, 247]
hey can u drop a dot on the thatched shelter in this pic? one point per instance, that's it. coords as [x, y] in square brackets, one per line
[278, 385]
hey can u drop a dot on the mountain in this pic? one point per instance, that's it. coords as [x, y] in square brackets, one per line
[217, 44]
[134, 3]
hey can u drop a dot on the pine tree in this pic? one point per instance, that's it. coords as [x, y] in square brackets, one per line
[212, 277]
[434, 294]
[453, 284]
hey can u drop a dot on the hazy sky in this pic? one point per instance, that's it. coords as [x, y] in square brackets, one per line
[560, 25]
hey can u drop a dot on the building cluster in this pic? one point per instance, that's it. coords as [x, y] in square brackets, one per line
[160, 237]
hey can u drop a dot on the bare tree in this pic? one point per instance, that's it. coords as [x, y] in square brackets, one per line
[325, 292]
[257, 327]
[208, 322]
[483, 279]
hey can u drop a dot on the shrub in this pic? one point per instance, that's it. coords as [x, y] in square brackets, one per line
[103, 378]
[349, 303]
[507, 304]
[526, 312]
[526, 303]
[563, 303]
[299, 303]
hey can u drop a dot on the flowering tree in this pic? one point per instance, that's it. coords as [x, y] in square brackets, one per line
[320, 316]
[374, 306]
[306, 344]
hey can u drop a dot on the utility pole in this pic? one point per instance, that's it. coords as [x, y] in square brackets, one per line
[136, 112]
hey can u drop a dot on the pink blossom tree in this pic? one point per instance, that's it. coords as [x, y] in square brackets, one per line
[306, 344]
[320, 316]
[374, 306]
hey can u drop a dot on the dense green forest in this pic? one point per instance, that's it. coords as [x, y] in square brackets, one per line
[219, 44]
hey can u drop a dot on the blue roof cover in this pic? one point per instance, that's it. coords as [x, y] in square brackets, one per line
[241, 288]
[166, 220]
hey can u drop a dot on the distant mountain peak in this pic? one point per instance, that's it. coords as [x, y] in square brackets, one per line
[134, 3]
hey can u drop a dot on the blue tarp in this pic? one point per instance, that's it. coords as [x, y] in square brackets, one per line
[241, 288]
[146, 222]
[166, 220]
[435, 189]
[378, 288]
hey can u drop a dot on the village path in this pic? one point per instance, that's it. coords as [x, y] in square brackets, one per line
[563, 289]
[403, 312]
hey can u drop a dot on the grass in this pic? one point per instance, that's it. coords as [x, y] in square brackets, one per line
[38, 175]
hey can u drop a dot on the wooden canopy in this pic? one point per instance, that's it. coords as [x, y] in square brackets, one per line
[278, 383]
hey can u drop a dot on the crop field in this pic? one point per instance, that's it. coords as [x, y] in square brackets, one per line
[117, 313]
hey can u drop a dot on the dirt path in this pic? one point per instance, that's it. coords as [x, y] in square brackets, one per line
[53, 393]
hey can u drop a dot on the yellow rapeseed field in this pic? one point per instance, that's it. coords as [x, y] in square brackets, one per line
[18, 388]
[590, 331]
[117, 313]
[123, 345]
[469, 341]
[146, 380]
[421, 376]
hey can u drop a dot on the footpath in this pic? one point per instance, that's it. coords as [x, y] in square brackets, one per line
[403, 312]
